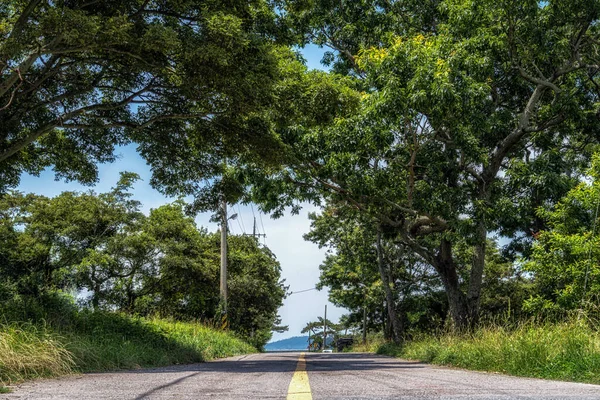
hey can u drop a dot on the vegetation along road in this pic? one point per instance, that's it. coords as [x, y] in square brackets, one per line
[302, 376]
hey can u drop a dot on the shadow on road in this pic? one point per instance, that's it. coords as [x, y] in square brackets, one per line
[278, 362]
[286, 362]
[165, 386]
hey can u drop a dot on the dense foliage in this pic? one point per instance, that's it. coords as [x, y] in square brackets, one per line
[471, 116]
[101, 249]
[79, 77]
[452, 147]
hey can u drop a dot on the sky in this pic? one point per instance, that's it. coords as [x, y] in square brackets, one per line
[299, 259]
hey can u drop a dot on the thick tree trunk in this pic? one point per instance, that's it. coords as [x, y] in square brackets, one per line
[385, 322]
[457, 304]
[389, 295]
[476, 277]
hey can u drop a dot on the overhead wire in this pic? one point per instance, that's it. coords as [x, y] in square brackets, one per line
[263, 227]
[241, 219]
[238, 221]
[301, 291]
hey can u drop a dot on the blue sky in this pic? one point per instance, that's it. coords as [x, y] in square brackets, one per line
[299, 259]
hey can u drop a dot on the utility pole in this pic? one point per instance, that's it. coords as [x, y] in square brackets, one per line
[325, 328]
[254, 231]
[364, 338]
[223, 282]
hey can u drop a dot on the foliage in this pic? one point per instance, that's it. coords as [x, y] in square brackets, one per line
[256, 290]
[113, 257]
[78, 78]
[564, 261]
[316, 330]
[351, 271]
[468, 120]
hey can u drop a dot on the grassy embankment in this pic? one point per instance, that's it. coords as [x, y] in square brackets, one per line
[568, 351]
[106, 341]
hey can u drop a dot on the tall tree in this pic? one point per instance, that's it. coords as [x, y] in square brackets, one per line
[447, 116]
[79, 77]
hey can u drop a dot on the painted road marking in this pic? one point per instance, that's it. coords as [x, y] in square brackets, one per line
[299, 386]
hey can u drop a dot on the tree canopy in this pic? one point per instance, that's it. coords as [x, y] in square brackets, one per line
[78, 78]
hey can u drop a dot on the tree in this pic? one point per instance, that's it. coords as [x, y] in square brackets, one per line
[317, 332]
[446, 115]
[564, 261]
[256, 290]
[363, 263]
[101, 249]
[78, 78]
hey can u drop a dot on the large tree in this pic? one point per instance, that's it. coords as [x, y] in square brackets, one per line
[79, 77]
[449, 117]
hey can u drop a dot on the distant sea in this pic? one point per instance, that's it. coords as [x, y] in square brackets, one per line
[297, 343]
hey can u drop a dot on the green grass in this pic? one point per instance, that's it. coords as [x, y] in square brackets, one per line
[567, 351]
[107, 341]
[374, 342]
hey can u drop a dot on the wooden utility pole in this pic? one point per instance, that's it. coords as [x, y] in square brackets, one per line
[254, 231]
[325, 328]
[223, 281]
[364, 338]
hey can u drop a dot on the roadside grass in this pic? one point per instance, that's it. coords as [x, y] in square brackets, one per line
[565, 351]
[94, 342]
[373, 344]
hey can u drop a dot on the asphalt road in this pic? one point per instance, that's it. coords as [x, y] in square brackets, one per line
[292, 376]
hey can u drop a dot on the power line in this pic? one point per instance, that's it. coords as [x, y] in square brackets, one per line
[243, 231]
[301, 291]
[240, 218]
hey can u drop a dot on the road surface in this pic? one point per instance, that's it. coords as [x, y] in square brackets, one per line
[301, 377]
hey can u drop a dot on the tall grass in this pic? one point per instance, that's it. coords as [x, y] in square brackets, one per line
[564, 351]
[107, 341]
[30, 351]
[373, 344]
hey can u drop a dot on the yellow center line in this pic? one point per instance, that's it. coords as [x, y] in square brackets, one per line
[299, 387]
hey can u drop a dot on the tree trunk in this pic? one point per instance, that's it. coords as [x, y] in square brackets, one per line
[389, 295]
[385, 322]
[476, 278]
[457, 304]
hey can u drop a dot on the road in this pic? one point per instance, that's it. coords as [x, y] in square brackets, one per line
[301, 377]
